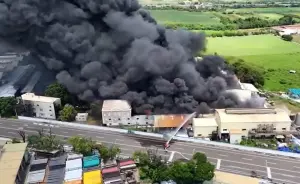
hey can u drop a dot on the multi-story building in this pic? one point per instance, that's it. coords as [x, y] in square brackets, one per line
[116, 112]
[42, 106]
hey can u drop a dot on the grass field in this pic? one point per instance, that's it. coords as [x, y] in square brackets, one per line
[172, 16]
[280, 10]
[276, 56]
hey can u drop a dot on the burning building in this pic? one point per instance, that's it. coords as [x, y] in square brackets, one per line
[113, 49]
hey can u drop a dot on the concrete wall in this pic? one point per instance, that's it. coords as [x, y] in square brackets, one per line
[115, 118]
[246, 127]
[42, 109]
[205, 131]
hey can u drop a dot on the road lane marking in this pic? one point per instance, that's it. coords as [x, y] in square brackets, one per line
[247, 159]
[11, 132]
[272, 163]
[238, 152]
[285, 181]
[297, 167]
[269, 172]
[287, 175]
[64, 132]
[81, 135]
[26, 125]
[218, 164]
[100, 137]
[15, 125]
[242, 168]
[193, 150]
[223, 155]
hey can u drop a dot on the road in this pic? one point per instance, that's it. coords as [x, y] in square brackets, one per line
[280, 169]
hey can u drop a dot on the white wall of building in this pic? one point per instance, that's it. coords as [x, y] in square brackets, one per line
[115, 118]
[204, 131]
[235, 138]
[81, 117]
[42, 106]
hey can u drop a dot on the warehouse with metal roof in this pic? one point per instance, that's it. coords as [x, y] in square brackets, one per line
[249, 119]
[204, 126]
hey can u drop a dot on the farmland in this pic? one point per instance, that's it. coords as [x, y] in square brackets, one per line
[277, 57]
[174, 16]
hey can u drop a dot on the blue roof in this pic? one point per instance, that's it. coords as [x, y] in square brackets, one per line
[295, 91]
[91, 161]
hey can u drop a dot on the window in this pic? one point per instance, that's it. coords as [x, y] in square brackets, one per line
[283, 128]
[110, 124]
[146, 123]
[147, 117]
[128, 118]
[50, 110]
[244, 129]
[119, 119]
[253, 129]
[37, 105]
[109, 119]
[128, 123]
[274, 128]
[50, 106]
[41, 109]
[41, 114]
[224, 129]
[50, 114]
[264, 129]
[199, 134]
[137, 118]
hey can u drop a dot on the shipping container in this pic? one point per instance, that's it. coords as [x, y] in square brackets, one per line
[91, 161]
[73, 175]
[74, 164]
[92, 177]
[74, 182]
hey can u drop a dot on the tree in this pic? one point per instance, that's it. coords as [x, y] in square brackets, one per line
[59, 91]
[287, 37]
[21, 132]
[247, 73]
[42, 141]
[68, 113]
[82, 145]
[7, 106]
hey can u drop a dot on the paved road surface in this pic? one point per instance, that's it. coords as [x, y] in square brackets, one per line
[280, 169]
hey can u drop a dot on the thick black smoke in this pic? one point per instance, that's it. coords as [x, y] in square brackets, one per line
[107, 49]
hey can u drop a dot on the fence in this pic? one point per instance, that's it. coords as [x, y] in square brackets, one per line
[232, 146]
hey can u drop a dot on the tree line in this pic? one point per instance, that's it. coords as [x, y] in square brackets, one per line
[228, 24]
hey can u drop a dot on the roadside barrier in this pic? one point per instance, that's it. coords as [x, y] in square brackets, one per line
[232, 146]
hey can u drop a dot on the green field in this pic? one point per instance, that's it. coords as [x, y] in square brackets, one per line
[277, 57]
[280, 10]
[174, 16]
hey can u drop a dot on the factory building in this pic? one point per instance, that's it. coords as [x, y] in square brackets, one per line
[247, 120]
[204, 126]
[169, 121]
[116, 112]
[42, 106]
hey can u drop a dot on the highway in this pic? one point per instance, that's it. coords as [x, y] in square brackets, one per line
[280, 169]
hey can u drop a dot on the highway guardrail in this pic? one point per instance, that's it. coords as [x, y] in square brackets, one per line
[232, 146]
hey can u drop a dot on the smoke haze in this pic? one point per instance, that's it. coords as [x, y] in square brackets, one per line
[105, 49]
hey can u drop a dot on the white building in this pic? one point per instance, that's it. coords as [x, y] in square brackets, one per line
[204, 126]
[81, 117]
[42, 106]
[116, 112]
[250, 119]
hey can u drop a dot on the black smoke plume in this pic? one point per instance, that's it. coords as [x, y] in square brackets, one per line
[108, 49]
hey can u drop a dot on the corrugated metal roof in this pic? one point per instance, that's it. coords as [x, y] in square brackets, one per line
[168, 121]
[295, 91]
[116, 105]
[248, 86]
[93, 177]
[73, 175]
[204, 122]
[73, 164]
[74, 156]
[110, 170]
[56, 170]
[74, 182]
[127, 162]
[39, 164]
[10, 161]
[90, 161]
[35, 177]
[279, 116]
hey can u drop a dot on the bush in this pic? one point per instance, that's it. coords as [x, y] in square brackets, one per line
[287, 37]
